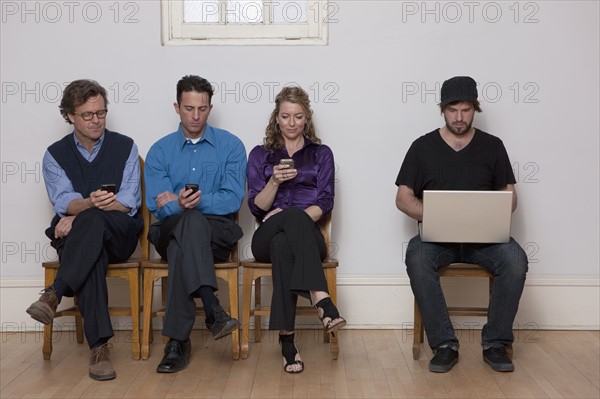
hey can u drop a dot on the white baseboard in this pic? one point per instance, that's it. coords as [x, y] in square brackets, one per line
[368, 302]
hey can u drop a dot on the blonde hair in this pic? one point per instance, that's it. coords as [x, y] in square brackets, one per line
[296, 95]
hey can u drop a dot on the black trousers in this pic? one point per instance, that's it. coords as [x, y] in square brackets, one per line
[96, 238]
[295, 246]
[191, 242]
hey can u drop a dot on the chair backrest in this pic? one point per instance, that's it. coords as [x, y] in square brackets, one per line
[234, 255]
[325, 227]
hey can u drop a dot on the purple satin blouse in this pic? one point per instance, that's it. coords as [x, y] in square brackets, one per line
[314, 184]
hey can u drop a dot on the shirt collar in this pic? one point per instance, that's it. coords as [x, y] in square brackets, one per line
[97, 144]
[208, 136]
[307, 143]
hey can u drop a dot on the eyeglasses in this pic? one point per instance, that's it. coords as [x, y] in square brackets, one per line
[88, 116]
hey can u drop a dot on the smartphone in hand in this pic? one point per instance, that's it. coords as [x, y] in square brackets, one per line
[111, 188]
[191, 186]
[287, 161]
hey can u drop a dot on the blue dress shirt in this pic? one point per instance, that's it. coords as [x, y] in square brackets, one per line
[217, 163]
[60, 189]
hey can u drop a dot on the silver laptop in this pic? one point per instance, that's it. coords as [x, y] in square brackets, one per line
[466, 216]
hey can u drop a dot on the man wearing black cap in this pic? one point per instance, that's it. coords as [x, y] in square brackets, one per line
[460, 157]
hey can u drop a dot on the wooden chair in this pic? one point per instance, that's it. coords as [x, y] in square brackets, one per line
[128, 271]
[255, 271]
[154, 269]
[453, 270]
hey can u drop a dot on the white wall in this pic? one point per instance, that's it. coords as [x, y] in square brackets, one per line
[374, 89]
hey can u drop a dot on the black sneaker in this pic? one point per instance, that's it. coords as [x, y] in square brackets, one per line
[444, 360]
[220, 323]
[498, 359]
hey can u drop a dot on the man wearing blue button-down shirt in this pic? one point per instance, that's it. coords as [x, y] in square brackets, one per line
[93, 181]
[196, 225]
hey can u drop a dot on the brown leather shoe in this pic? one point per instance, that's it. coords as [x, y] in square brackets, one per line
[100, 367]
[43, 309]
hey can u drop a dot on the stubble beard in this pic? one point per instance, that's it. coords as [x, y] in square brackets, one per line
[459, 131]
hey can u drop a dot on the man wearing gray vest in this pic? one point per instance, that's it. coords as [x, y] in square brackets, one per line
[92, 177]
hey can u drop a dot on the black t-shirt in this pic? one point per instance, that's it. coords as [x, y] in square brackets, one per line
[431, 164]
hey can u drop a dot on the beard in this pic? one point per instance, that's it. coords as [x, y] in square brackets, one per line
[459, 129]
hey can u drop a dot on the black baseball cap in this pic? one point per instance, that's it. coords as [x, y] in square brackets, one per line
[459, 88]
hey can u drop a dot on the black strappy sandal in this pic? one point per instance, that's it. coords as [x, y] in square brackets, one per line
[329, 311]
[289, 352]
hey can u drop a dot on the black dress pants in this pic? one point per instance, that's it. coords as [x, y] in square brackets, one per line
[96, 238]
[191, 242]
[291, 241]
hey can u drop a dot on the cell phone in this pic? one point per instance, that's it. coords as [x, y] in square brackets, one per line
[191, 186]
[287, 161]
[111, 188]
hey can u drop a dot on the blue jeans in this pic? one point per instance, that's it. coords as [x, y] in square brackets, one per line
[508, 262]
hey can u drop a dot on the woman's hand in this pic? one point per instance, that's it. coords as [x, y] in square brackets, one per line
[282, 173]
[273, 212]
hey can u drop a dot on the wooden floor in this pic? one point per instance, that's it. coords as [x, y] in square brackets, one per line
[372, 364]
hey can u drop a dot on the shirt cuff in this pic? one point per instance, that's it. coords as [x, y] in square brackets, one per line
[172, 208]
[128, 201]
[63, 202]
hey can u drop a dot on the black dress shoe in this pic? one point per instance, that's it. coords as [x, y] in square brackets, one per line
[221, 324]
[444, 360]
[176, 358]
[498, 359]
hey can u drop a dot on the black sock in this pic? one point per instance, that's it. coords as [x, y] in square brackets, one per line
[61, 288]
[209, 301]
[178, 340]
[288, 349]
[100, 342]
[329, 309]
[286, 338]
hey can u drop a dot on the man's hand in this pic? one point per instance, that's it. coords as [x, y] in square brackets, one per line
[407, 202]
[63, 227]
[102, 199]
[187, 200]
[164, 198]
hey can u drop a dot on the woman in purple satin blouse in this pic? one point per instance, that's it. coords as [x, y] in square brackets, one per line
[289, 197]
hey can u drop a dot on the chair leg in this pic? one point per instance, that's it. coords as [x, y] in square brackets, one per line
[79, 327]
[49, 275]
[232, 278]
[257, 305]
[47, 348]
[163, 288]
[246, 298]
[147, 304]
[134, 298]
[417, 332]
